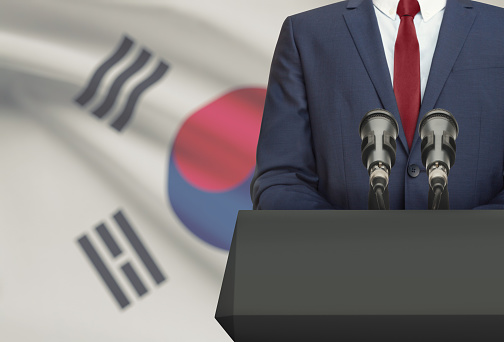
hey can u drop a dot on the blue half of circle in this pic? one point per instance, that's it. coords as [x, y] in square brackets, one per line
[210, 216]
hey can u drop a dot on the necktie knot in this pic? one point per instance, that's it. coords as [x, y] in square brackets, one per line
[408, 7]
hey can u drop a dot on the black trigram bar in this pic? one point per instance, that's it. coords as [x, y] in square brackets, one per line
[107, 104]
[127, 112]
[134, 279]
[109, 241]
[114, 90]
[139, 248]
[103, 271]
[90, 90]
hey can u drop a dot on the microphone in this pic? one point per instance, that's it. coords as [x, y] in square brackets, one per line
[438, 130]
[378, 130]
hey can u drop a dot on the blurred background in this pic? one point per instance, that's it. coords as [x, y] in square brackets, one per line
[127, 144]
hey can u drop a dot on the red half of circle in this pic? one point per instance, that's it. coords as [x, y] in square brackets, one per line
[216, 146]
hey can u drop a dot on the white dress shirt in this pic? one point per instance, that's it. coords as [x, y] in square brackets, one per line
[427, 24]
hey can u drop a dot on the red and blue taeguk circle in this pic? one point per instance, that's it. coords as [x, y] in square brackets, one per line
[212, 163]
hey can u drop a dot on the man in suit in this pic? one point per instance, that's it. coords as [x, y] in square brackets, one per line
[333, 64]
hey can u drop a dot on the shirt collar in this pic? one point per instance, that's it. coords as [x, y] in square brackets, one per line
[428, 8]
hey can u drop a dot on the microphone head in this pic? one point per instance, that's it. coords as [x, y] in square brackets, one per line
[378, 130]
[438, 130]
[440, 120]
[380, 118]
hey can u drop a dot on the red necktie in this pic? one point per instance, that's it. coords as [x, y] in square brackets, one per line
[407, 68]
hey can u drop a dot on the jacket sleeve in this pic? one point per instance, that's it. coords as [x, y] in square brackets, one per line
[286, 175]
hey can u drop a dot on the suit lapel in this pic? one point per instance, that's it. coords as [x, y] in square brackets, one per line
[361, 21]
[457, 22]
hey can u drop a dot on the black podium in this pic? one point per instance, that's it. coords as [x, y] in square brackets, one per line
[402, 276]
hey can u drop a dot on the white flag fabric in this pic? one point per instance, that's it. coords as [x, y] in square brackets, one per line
[128, 132]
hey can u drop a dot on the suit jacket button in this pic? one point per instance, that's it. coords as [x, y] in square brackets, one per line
[413, 170]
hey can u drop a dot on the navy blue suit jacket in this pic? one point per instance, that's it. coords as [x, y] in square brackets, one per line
[329, 69]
